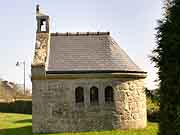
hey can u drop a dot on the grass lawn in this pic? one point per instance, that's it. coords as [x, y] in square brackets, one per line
[21, 124]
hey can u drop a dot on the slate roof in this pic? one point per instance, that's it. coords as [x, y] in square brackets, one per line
[87, 52]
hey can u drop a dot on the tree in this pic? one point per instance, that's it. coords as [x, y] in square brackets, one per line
[166, 56]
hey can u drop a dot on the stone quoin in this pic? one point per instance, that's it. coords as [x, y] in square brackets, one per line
[84, 81]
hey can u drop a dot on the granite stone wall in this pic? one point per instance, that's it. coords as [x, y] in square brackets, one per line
[42, 42]
[55, 110]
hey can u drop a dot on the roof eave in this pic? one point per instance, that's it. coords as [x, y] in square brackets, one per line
[94, 74]
[92, 71]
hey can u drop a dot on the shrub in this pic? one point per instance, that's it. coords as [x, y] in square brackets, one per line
[152, 110]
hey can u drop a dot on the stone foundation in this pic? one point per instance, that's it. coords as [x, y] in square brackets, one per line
[55, 110]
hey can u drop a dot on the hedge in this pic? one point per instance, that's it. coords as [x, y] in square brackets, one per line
[20, 106]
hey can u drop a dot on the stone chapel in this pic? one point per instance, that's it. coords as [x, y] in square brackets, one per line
[84, 81]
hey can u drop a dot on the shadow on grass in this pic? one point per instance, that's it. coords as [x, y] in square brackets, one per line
[27, 130]
[24, 121]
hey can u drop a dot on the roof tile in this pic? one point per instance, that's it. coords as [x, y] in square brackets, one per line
[83, 52]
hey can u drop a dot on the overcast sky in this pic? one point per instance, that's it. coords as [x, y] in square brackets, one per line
[131, 23]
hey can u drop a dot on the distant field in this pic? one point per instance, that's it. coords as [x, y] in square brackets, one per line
[21, 124]
[3, 99]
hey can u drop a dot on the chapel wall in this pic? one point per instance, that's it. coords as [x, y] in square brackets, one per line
[55, 110]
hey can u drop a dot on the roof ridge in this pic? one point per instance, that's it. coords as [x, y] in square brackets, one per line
[79, 33]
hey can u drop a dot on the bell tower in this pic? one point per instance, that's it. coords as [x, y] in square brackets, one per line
[42, 38]
[42, 21]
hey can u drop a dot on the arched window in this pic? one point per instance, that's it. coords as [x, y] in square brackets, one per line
[109, 94]
[94, 99]
[79, 93]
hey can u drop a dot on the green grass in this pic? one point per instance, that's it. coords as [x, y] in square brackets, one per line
[21, 124]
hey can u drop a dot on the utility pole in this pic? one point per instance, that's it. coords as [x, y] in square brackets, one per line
[24, 65]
